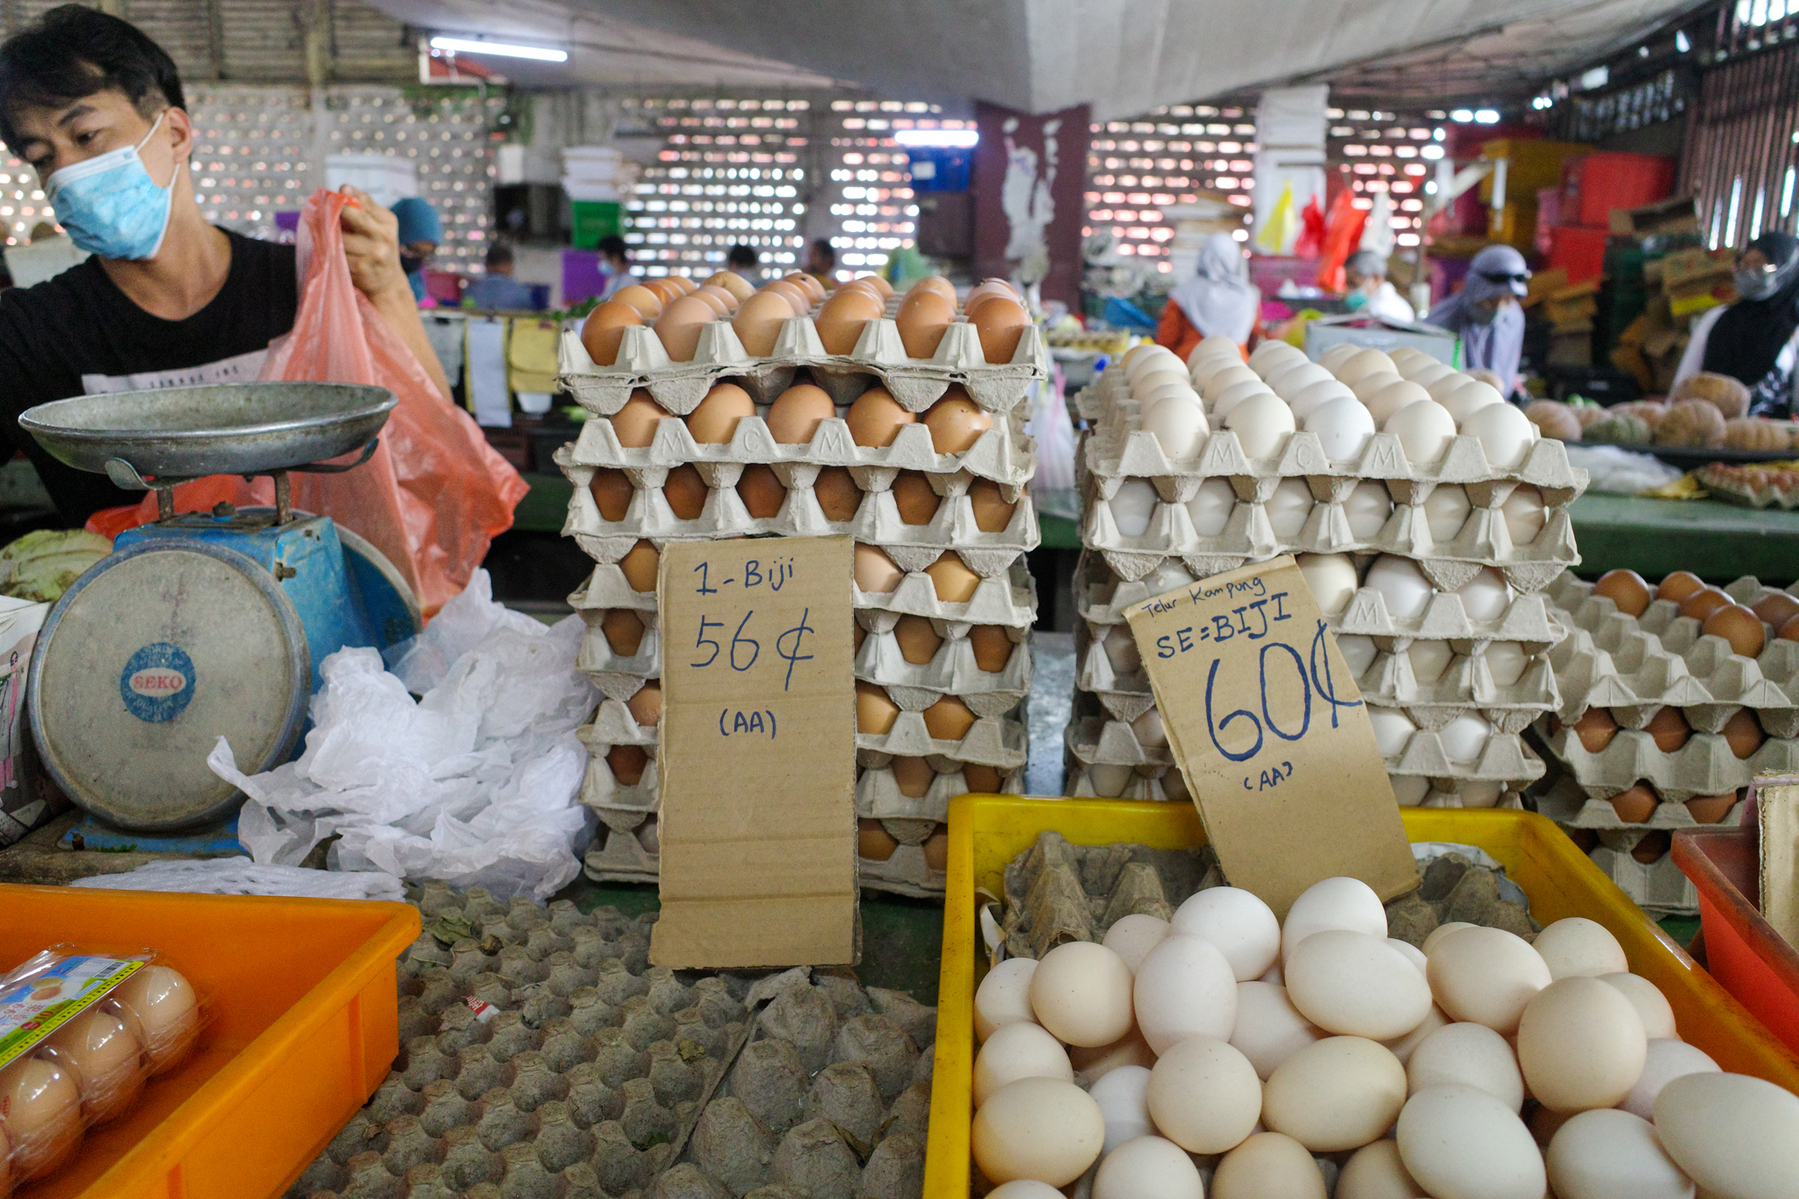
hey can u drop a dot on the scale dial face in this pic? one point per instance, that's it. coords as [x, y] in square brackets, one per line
[147, 662]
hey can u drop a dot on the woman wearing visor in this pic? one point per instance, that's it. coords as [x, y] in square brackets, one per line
[1753, 340]
[1486, 316]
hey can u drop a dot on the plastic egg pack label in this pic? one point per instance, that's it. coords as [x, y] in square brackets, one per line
[49, 991]
[879, 357]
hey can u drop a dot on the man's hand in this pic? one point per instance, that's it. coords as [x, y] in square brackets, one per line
[372, 244]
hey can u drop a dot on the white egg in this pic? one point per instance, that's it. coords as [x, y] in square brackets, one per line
[1402, 1047]
[1267, 1166]
[1392, 730]
[1477, 793]
[1149, 730]
[1178, 425]
[1409, 790]
[1409, 952]
[1335, 1094]
[1218, 343]
[1204, 1095]
[1652, 1006]
[1341, 902]
[1367, 507]
[1146, 358]
[1211, 506]
[1363, 363]
[1427, 372]
[1294, 376]
[1458, 1141]
[1581, 1044]
[1121, 649]
[1343, 427]
[1025, 1188]
[1228, 402]
[1201, 370]
[1273, 354]
[1040, 1128]
[1289, 508]
[1441, 933]
[1465, 397]
[1109, 781]
[1262, 424]
[1465, 737]
[1356, 985]
[1237, 923]
[1358, 652]
[1504, 432]
[1167, 577]
[1269, 1029]
[1307, 399]
[1221, 381]
[1132, 505]
[1330, 578]
[1123, 1104]
[1732, 1134]
[1369, 386]
[1446, 510]
[1486, 975]
[1486, 596]
[1524, 515]
[1471, 1054]
[1081, 992]
[1606, 1154]
[1401, 584]
[1091, 1065]
[1336, 355]
[1375, 1172]
[1439, 388]
[1184, 987]
[1148, 1168]
[1132, 937]
[1385, 401]
[1424, 429]
[1004, 996]
[1666, 1060]
[1506, 662]
[1015, 1051]
[1159, 388]
[1576, 945]
[1429, 659]
[1168, 376]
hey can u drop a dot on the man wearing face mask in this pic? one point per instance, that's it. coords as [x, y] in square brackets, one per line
[1486, 316]
[166, 300]
[1365, 274]
[1753, 340]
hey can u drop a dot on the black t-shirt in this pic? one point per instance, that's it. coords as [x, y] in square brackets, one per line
[78, 334]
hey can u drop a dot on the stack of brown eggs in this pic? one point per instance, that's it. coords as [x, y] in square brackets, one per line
[719, 411]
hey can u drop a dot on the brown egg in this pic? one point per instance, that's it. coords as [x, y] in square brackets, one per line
[758, 322]
[627, 763]
[646, 705]
[1000, 322]
[1703, 602]
[714, 420]
[612, 492]
[42, 1102]
[740, 288]
[858, 635]
[956, 422]
[918, 642]
[876, 418]
[936, 849]
[639, 566]
[875, 712]
[682, 284]
[1625, 588]
[866, 288]
[649, 835]
[953, 582]
[604, 329]
[1637, 804]
[1790, 630]
[986, 289]
[1653, 847]
[665, 291]
[991, 512]
[1585, 839]
[1668, 729]
[934, 283]
[948, 719]
[1710, 809]
[837, 494]
[685, 492]
[874, 843]
[727, 303]
[1678, 586]
[624, 631]
[647, 302]
[106, 1057]
[982, 778]
[875, 571]
[1775, 608]
[635, 423]
[1743, 733]
[1739, 626]
[875, 281]
[679, 326]
[914, 776]
[1595, 728]
[913, 496]
[922, 319]
[992, 648]
[761, 492]
[794, 417]
[841, 321]
[807, 283]
[797, 297]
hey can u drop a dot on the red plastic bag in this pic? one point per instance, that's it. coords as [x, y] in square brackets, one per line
[1342, 234]
[433, 495]
[1311, 234]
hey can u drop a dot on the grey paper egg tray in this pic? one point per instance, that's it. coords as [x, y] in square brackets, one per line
[878, 358]
[878, 796]
[953, 670]
[1703, 766]
[602, 1075]
[1659, 888]
[1568, 803]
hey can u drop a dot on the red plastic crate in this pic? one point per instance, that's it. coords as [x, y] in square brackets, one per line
[1743, 952]
[1597, 183]
[1581, 252]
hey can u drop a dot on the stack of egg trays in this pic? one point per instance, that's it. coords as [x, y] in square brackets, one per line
[1005, 597]
[1635, 666]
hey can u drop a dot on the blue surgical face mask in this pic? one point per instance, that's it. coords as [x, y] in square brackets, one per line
[110, 205]
[1355, 300]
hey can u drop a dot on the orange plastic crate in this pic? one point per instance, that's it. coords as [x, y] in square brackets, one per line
[303, 1027]
[987, 831]
[1742, 950]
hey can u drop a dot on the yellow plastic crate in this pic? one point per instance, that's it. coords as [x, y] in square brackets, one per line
[987, 831]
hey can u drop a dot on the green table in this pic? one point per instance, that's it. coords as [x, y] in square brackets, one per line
[1716, 541]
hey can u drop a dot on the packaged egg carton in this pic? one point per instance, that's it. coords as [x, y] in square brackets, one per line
[1008, 599]
[1612, 660]
[1658, 887]
[1003, 453]
[879, 357]
[1568, 803]
[618, 856]
[952, 670]
[1703, 766]
[876, 521]
[879, 797]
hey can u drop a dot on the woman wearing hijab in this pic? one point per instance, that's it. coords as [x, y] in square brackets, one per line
[420, 234]
[1753, 339]
[1486, 316]
[1218, 299]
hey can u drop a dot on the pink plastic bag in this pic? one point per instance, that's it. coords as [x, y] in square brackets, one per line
[434, 494]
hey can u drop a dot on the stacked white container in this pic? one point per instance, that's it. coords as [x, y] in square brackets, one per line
[1425, 512]
[942, 659]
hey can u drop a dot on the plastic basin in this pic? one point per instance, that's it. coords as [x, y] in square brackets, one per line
[304, 1025]
[987, 831]
[1742, 950]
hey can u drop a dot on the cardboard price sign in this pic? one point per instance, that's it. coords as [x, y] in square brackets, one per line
[1270, 731]
[758, 754]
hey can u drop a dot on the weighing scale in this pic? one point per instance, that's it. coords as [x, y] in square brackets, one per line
[202, 624]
